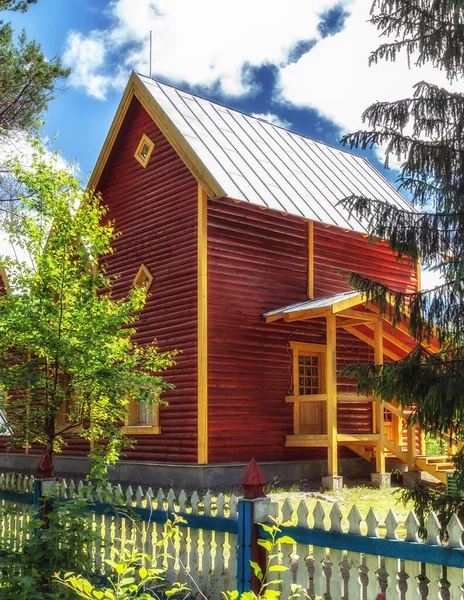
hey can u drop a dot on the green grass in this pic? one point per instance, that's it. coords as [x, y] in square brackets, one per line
[363, 496]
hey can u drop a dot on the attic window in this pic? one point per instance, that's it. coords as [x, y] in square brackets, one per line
[144, 150]
[143, 278]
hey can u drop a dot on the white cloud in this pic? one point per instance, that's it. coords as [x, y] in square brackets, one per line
[20, 146]
[201, 42]
[87, 56]
[430, 279]
[273, 118]
[335, 79]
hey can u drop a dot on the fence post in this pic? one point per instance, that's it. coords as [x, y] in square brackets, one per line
[245, 541]
[253, 508]
[45, 480]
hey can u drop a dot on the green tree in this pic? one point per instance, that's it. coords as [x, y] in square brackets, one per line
[426, 131]
[66, 343]
[28, 80]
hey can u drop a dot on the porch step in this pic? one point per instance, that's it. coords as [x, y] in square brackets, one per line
[437, 466]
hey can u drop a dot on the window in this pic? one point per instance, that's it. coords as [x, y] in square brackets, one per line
[144, 150]
[143, 278]
[309, 374]
[143, 418]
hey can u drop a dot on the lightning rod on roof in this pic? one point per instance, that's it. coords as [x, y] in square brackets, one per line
[151, 46]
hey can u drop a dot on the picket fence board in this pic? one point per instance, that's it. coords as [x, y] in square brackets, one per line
[332, 558]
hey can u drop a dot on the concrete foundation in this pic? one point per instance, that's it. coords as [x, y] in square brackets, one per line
[381, 480]
[412, 478]
[185, 475]
[332, 482]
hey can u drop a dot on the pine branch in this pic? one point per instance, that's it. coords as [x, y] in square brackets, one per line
[435, 313]
[429, 31]
[430, 236]
[431, 384]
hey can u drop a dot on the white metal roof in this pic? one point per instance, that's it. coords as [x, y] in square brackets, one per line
[325, 302]
[258, 162]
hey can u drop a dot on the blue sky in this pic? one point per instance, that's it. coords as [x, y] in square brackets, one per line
[82, 120]
[301, 63]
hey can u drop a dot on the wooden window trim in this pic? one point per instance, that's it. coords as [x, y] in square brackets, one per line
[143, 278]
[144, 141]
[138, 428]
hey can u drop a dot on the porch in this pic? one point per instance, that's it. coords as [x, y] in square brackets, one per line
[318, 403]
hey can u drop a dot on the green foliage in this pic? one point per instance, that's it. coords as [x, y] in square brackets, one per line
[426, 132]
[132, 574]
[434, 446]
[21, 5]
[267, 579]
[63, 542]
[28, 79]
[66, 339]
[428, 499]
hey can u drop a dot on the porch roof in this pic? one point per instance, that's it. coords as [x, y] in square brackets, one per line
[356, 316]
[334, 304]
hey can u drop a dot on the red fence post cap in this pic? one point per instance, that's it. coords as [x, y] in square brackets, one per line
[253, 481]
[46, 466]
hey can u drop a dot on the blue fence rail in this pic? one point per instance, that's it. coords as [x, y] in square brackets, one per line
[344, 558]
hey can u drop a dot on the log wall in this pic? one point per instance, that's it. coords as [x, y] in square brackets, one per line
[258, 261]
[155, 209]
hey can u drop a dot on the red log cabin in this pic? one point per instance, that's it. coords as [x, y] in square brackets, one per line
[235, 225]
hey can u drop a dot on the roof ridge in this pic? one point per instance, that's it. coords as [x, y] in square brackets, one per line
[246, 114]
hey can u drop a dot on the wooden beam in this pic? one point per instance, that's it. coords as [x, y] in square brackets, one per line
[275, 317]
[391, 338]
[307, 398]
[331, 388]
[342, 305]
[418, 275]
[412, 448]
[311, 259]
[306, 314]
[358, 437]
[353, 322]
[308, 347]
[395, 410]
[306, 441]
[378, 404]
[365, 338]
[202, 295]
[349, 397]
[357, 314]
[296, 406]
[403, 328]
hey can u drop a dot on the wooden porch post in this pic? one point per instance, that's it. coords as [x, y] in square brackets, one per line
[378, 405]
[331, 385]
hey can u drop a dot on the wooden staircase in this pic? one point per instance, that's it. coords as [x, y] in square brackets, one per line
[437, 466]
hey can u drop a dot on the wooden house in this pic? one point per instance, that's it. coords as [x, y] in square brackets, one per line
[235, 226]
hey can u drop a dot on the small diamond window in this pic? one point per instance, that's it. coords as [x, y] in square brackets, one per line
[143, 278]
[144, 150]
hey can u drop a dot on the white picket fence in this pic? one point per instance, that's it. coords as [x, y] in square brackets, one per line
[341, 574]
[15, 515]
[206, 560]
